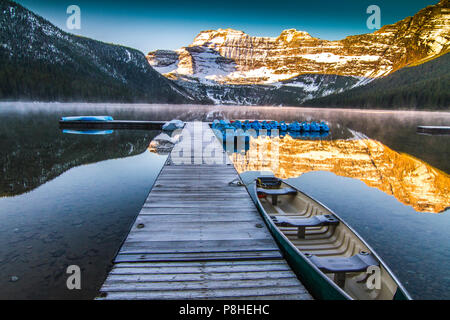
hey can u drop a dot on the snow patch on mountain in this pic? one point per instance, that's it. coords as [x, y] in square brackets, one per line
[328, 57]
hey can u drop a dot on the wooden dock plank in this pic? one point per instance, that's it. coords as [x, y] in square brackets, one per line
[201, 264]
[198, 237]
[198, 245]
[256, 293]
[200, 276]
[200, 256]
[204, 284]
[162, 268]
[222, 217]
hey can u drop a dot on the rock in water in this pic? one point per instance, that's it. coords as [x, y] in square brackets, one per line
[173, 125]
[163, 143]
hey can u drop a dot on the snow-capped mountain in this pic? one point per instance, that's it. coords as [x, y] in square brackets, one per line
[227, 59]
[38, 61]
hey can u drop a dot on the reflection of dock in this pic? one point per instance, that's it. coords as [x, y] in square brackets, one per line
[198, 237]
[114, 124]
[434, 129]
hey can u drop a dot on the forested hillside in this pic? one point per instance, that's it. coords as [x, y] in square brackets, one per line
[425, 86]
[38, 61]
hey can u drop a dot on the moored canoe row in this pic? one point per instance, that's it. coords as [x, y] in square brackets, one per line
[282, 126]
[241, 135]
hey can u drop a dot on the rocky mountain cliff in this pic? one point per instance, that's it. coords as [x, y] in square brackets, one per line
[38, 61]
[225, 58]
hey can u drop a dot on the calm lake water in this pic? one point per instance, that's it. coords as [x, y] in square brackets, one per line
[70, 199]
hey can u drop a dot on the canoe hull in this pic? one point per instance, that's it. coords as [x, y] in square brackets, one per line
[319, 285]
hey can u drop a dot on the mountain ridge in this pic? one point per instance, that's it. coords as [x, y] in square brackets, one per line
[239, 58]
[225, 59]
[41, 62]
[38, 61]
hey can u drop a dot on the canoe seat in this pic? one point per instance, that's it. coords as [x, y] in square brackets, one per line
[268, 182]
[302, 223]
[276, 192]
[315, 221]
[357, 263]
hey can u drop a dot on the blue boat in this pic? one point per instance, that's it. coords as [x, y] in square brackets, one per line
[227, 125]
[247, 125]
[283, 126]
[314, 127]
[237, 124]
[305, 126]
[274, 125]
[256, 125]
[265, 125]
[88, 118]
[216, 124]
[324, 127]
[294, 126]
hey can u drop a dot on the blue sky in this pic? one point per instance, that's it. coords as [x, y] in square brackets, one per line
[151, 25]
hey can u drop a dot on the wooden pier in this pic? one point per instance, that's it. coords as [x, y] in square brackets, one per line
[198, 237]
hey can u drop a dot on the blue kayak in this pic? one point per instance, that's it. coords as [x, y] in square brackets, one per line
[265, 125]
[247, 125]
[89, 132]
[274, 125]
[306, 126]
[314, 126]
[324, 127]
[88, 118]
[256, 125]
[237, 124]
[294, 126]
[216, 124]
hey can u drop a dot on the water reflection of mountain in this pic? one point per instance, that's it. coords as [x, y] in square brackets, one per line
[410, 180]
[35, 151]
